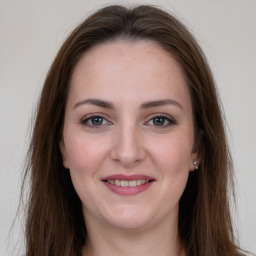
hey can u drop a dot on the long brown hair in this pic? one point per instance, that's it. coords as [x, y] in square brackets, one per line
[55, 224]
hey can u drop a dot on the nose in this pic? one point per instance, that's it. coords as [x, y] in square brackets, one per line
[128, 149]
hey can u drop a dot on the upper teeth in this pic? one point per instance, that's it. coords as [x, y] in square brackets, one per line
[126, 183]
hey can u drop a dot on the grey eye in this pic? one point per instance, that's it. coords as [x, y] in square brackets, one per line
[160, 121]
[96, 120]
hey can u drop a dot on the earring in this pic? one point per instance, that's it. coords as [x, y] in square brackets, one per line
[195, 165]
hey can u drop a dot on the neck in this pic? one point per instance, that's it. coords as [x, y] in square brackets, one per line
[158, 240]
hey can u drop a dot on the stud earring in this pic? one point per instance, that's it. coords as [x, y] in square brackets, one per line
[195, 165]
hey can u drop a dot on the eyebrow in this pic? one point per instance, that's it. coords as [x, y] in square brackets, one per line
[159, 103]
[146, 105]
[96, 102]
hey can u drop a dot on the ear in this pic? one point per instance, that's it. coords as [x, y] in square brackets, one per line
[195, 161]
[196, 154]
[63, 154]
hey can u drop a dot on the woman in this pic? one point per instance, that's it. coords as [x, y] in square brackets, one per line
[129, 154]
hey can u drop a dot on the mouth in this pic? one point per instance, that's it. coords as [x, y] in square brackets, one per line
[128, 185]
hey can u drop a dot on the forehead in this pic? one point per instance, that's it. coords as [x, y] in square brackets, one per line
[126, 53]
[127, 69]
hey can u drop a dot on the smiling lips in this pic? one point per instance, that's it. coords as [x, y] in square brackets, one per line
[128, 185]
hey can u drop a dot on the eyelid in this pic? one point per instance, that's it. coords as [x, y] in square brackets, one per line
[86, 118]
[171, 120]
[167, 117]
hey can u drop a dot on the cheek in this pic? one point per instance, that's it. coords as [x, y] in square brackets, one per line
[85, 154]
[172, 160]
[173, 155]
[85, 157]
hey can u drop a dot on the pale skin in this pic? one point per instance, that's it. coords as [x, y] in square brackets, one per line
[129, 112]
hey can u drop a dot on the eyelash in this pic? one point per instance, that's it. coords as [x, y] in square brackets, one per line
[85, 121]
[167, 121]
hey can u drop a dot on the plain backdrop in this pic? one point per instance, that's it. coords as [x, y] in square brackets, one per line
[31, 33]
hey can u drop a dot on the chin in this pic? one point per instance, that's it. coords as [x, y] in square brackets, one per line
[128, 224]
[129, 218]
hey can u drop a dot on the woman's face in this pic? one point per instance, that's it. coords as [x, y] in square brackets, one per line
[128, 134]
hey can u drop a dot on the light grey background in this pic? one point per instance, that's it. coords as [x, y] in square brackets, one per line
[31, 33]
